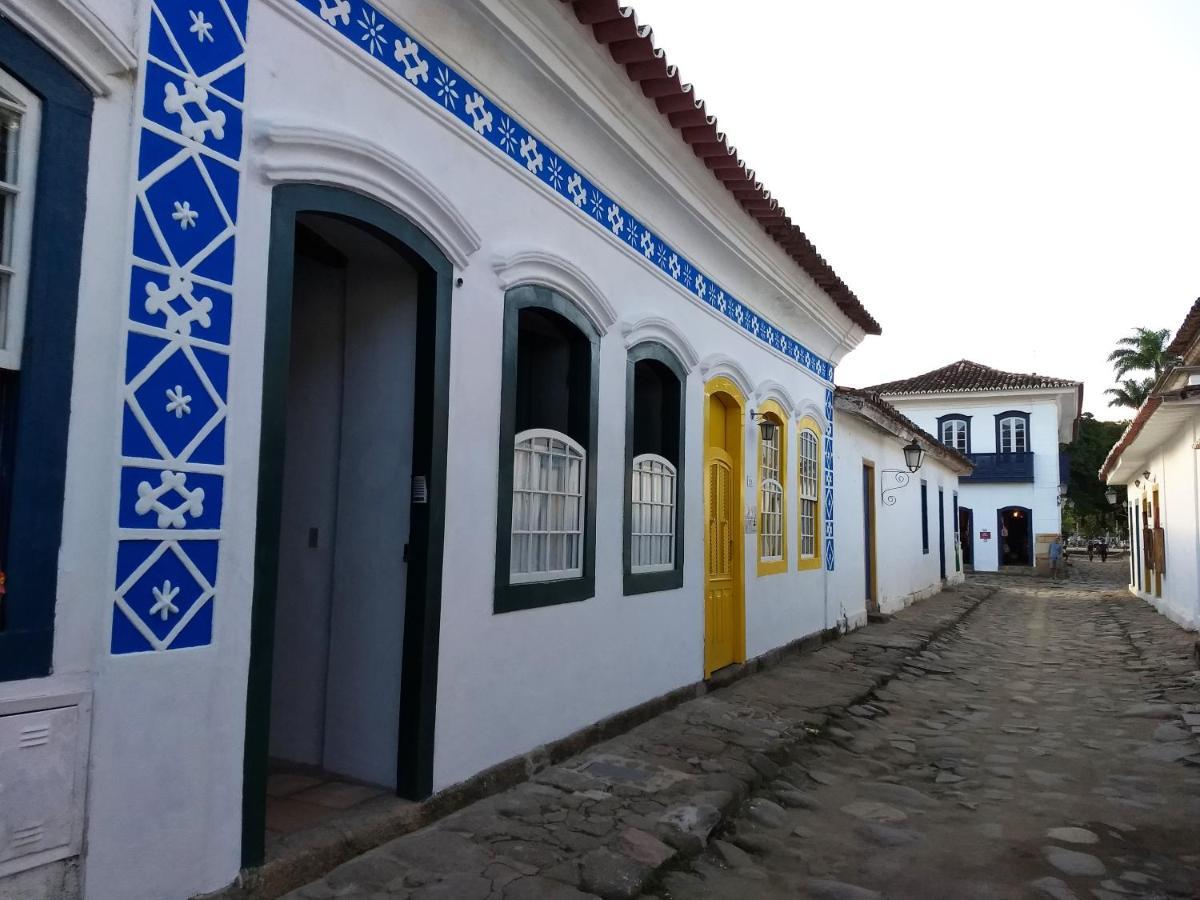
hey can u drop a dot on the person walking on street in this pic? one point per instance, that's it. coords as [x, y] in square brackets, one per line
[1103, 550]
[1055, 557]
[1091, 550]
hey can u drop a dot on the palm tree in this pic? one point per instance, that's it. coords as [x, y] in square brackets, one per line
[1143, 351]
[1131, 393]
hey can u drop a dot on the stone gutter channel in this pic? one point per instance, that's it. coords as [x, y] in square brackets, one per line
[608, 821]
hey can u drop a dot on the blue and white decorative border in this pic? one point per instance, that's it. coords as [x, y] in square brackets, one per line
[829, 557]
[172, 476]
[378, 36]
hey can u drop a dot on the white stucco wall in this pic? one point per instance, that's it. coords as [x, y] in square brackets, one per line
[165, 770]
[1045, 432]
[1173, 468]
[904, 573]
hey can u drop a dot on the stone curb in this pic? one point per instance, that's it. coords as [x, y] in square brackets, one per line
[609, 821]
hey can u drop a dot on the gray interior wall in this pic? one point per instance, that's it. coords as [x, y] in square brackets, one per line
[309, 501]
[367, 627]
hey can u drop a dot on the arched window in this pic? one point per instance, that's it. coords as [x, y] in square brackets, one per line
[654, 465]
[955, 431]
[772, 476]
[549, 477]
[1012, 432]
[809, 459]
[546, 504]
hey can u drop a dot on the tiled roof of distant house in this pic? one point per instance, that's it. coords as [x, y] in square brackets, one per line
[872, 399]
[632, 45]
[964, 375]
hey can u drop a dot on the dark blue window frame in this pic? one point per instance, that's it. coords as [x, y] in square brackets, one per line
[955, 417]
[925, 517]
[1014, 414]
[42, 389]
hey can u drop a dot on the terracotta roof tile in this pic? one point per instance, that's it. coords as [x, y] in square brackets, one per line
[965, 375]
[1187, 332]
[1130, 434]
[632, 45]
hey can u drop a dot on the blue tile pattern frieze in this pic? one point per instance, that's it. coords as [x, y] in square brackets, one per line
[375, 34]
[185, 206]
[829, 557]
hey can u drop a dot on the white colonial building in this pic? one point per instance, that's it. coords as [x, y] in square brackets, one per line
[1153, 468]
[389, 388]
[1012, 427]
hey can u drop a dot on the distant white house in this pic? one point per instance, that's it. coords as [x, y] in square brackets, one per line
[1011, 426]
[1153, 469]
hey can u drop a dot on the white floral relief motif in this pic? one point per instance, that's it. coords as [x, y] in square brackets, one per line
[194, 94]
[647, 244]
[150, 500]
[616, 221]
[701, 286]
[508, 135]
[481, 116]
[531, 155]
[164, 600]
[178, 287]
[576, 189]
[372, 36]
[338, 10]
[555, 173]
[673, 264]
[185, 215]
[408, 52]
[446, 90]
[200, 28]
[178, 402]
[597, 205]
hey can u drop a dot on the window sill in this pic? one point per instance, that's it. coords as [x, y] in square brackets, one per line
[536, 594]
[772, 567]
[806, 565]
[649, 582]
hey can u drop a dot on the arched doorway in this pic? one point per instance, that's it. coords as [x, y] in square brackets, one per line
[351, 503]
[724, 597]
[1014, 527]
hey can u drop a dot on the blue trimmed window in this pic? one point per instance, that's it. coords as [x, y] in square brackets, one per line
[1012, 432]
[954, 430]
[45, 130]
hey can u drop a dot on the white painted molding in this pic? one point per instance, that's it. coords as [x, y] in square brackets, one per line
[663, 331]
[557, 272]
[78, 37]
[773, 390]
[812, 411]
[716, 364]
[300, 153]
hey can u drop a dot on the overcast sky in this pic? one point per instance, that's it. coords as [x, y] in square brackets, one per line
[1016, 183]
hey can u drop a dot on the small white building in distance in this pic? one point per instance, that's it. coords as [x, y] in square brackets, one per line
[1011, 426]
[1153, 469]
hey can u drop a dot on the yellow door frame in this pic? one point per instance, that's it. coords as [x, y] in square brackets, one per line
[869, 510]
[731, 444]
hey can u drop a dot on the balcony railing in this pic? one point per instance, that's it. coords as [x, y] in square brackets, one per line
[1001, 467]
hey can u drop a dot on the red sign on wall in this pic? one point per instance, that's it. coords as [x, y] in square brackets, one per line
[985, 535]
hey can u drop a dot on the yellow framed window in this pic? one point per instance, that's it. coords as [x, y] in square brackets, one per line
[772, 477]
[809, 480]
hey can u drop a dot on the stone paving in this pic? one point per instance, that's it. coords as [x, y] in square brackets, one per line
[1011, 738]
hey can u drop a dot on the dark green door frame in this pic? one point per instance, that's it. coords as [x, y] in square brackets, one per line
[422, 616]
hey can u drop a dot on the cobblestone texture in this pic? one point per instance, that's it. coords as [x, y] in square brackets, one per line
[1011, 738]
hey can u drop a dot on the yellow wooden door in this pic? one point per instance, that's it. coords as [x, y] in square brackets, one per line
[721, 588]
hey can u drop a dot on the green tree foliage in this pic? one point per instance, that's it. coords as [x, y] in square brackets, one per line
[1091, 513]
[1144, 351]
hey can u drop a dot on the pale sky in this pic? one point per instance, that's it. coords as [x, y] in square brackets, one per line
[1016, 183]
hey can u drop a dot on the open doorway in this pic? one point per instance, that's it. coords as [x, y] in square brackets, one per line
[966, 529]
[1015, 528]
[340, 703]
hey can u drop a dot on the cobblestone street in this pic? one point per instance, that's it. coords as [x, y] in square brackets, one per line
[1012, 738]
